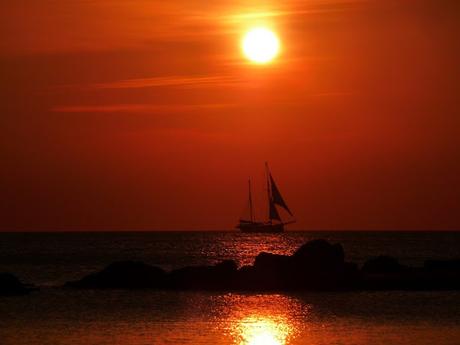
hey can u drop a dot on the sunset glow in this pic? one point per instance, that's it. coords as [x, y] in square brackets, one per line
[263, 331]
[260, 45]
[150, 115]
[230, 172]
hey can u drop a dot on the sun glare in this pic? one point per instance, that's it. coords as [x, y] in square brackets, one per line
[260, 45]
[263, 331]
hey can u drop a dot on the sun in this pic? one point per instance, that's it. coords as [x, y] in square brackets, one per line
[260, 45]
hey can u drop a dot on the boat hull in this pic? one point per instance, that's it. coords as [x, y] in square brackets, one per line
[261, 227]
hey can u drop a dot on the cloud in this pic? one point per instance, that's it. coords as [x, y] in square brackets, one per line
[291, 8]
[136, 108]
[49, 26]
[184, 81]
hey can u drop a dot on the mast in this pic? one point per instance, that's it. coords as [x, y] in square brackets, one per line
[251, 213]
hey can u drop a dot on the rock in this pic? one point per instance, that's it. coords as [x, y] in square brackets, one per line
[383, 264]
[271, 262]
[316, 265]
[319, 255]
[270, 272]
[248, 279]
[10, 285]
[123, 275]
[350, 275]
[445, 265]
[320, 265]
[226, 267]
[219, 277]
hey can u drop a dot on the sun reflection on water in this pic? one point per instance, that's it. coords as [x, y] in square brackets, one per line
[265, 319]
[256, 330]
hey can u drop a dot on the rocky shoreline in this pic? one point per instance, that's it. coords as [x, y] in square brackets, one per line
[10, 285]
[317, 265]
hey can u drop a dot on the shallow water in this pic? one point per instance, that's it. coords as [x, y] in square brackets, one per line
[57, 316]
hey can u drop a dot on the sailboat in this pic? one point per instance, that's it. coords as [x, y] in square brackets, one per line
[274, 223]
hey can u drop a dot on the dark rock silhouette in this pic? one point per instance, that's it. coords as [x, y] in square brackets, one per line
[123, 275]
[219, 277]
[271, 262]
[316, 265]
[319, 255]
[386, 273]
[10, 285]
[383, 264]
[445, 265]
[320, 265]
[269, 272]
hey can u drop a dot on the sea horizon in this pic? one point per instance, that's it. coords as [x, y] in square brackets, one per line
[63, 231]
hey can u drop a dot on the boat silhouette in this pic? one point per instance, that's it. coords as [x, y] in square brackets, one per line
[274, 223]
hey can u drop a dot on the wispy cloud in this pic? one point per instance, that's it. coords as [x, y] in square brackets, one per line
[185, 81]
[137, 108]
[290, 8]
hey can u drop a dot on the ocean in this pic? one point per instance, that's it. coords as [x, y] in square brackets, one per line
[60, 316]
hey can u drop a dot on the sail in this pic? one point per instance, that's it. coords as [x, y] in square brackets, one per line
[274, 198]
[273, 212]
[277, 198]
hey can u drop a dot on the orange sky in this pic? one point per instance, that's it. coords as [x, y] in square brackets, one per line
[144, 114]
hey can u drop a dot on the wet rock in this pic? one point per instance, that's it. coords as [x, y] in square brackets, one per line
[350, 275]
[319, 255]
[383, 264]
[445, 265]
[219, 277]
[123, 275]
[316, 265]
[248, 278]
[10, 285]
[226, 267]
[269, 262]
[386, 273]
[269, 272]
